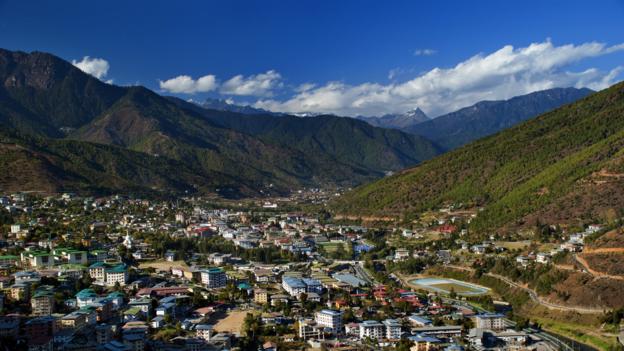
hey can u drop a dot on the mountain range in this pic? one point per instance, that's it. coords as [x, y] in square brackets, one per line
[488, 117]
[59, 122]
[456, 128]
[402, 121]
[565, 166]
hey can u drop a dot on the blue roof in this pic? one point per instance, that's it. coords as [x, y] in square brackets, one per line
[419, 319]
[310, 281]
[294, 282]
[331, 312]
[86, 293]
[490, 315]
[423, 338]
[349, 279]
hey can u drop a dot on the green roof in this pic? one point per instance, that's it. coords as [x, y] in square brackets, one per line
[9, 257]
[120, 268]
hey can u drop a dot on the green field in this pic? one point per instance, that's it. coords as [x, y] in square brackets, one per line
[446, 286]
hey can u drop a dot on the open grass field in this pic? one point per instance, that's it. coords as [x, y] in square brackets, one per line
[445, 286]
[333, 247]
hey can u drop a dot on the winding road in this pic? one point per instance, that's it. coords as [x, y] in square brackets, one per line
[535, 297]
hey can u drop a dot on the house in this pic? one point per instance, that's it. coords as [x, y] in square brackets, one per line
[543, 257]
[157, 322]
[170, 256]
[269, 346]
[401, 254]
[523, 261]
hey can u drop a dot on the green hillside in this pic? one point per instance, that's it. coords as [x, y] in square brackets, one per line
[44, 96]
[561, 165]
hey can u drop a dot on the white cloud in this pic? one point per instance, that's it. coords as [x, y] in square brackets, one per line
[424, 52]
[96, 67]
[305, 87]
[261, 84]
[186, 84]
[502, 74]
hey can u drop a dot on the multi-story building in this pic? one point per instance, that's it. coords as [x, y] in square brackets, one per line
[261, 296]
[109, 274]
[19, 291]
[493, 321]
[293, 286]
[204, 331]
[296, 286]
[313, 285]
[42, 302]
[8, 260]
[85, 297]
[330, 319]
[97, 272]
[393, 329]
[372, 329]
[309, 329]
[213, 278]
[117, 274]
[40, 333]
[37, 259]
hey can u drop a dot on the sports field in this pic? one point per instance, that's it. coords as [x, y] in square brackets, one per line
[445, 286]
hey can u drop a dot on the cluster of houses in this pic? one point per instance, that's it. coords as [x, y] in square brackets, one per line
[80, 291]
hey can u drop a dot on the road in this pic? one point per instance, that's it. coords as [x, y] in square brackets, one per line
[593, 272]
[557, 343]
[535, 297]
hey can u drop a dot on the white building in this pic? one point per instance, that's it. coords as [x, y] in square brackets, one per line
[330, 319]
[204, 331]
[542, 257]
[293, 286]
[393, 329]
[309, 329]
[372, 329]
[493, 321]
[213, 278]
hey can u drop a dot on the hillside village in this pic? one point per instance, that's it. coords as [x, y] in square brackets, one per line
[120, 273]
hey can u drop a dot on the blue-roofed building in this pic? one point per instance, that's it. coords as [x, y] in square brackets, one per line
[313, 285]
[293, 286]
[349, 279]
[85, 297]
[424, 342]
[419, 321]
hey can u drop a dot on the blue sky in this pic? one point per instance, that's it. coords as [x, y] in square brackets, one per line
[345, 57]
